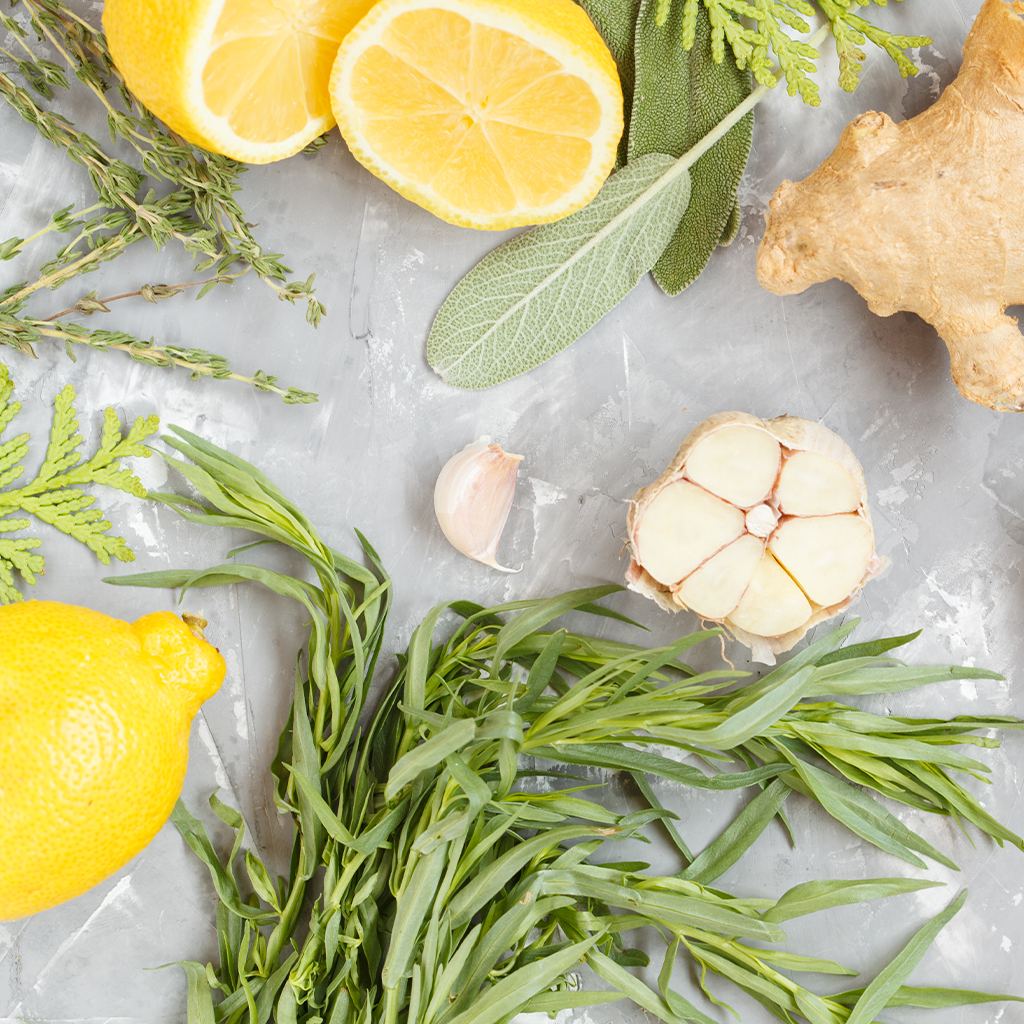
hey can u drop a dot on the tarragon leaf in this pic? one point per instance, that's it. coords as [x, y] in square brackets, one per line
[537, 293]
[876, 996]
[680, 96]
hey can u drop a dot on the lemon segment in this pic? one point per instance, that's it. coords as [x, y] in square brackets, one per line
[245, 78]
[488, 113]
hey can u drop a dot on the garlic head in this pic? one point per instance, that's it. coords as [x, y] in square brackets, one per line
[473, 496]
[762, 525]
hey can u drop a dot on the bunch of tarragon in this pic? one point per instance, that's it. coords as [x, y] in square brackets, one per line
[199, 210]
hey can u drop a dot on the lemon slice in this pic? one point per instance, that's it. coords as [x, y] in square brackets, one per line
[488, 113]
[246, 78]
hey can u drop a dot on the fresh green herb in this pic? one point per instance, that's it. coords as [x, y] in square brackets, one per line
[55, 496]
[453, 892]
[200, 211]
[521, 304]
[533, 296]
[681, 95]
[771, 31]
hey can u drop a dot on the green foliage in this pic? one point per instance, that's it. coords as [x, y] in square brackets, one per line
[761, 33]
[55, 495]
[431, 883]
[199, 209]
[539, 292]
[681, 95]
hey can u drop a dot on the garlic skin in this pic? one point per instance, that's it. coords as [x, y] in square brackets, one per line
[473, 496]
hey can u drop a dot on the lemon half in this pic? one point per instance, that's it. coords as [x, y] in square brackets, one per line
[488, 113]
[246, 78]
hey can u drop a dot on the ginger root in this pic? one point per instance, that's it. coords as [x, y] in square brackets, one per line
[927, 215]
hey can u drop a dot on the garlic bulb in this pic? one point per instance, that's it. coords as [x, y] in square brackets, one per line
[472, 498]
[762, 525]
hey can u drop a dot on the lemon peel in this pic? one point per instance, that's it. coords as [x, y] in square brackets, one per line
[244, 78]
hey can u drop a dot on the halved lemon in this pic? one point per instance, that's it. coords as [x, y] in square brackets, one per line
[246, 78]
[488, 113]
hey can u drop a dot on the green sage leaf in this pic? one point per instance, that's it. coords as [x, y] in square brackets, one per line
[531, 297]
[616, 21]
[680, 96]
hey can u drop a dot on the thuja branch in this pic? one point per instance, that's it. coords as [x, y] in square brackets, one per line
[201, 210]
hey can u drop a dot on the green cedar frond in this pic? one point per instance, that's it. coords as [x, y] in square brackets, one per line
[55, 496]
[761, 34]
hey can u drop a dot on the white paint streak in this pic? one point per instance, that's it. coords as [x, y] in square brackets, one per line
[220, 770]
[120, 891]
[545, 493]
[894, 495]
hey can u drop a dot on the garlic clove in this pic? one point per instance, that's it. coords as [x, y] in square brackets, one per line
[473, 496]
[683, 527]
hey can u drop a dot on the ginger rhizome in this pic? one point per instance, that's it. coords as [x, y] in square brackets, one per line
[927, 215]
[762, 525]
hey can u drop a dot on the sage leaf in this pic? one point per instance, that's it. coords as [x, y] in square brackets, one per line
[536, 294]
[616, 21]
[680, 96]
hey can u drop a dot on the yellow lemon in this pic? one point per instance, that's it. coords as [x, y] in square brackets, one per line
[489, 113]
[94, 725]
[246, 78]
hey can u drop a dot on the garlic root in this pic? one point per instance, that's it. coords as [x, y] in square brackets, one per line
[472, 499]
[926, 215]
[762, 525]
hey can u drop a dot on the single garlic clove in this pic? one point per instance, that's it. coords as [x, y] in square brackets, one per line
[473, 496]
[683, 527]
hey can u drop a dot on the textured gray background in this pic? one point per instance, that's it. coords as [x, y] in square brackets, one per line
[593, 424]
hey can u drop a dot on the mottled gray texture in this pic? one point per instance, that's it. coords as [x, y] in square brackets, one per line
[594, 424]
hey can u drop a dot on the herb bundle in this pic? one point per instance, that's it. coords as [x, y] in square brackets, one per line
[688, 116]
[55, 496]
[450, 894]
[199, 209]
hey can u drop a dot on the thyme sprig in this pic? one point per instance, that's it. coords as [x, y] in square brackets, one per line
[200, 211]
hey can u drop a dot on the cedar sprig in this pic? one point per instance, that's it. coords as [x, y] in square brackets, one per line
[760, 34]
[201, 210]
[55, 495]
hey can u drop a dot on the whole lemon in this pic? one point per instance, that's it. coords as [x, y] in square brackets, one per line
[94, 725]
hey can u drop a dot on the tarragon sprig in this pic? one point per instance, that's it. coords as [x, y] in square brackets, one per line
[201, 210]
[55, 495]
[760, 34]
